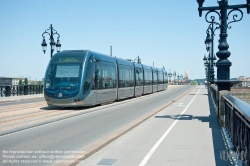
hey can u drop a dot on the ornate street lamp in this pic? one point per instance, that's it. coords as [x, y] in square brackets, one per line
[178, 77]
[181, 78]
[206, 66]
[205, 61]
[208, 41]
[174, 74]
[169, 75]
[210, 47]
[52, 42]
[206, 73]
[223, 64]
[214, 60]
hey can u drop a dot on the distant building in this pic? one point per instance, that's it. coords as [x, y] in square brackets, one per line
[15, 81]
[5, 81]
[8, 81]
[245, 81]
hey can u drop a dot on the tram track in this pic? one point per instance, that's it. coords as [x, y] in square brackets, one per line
[28, 115]
[23, 114]
[22, 111]
[21, 107]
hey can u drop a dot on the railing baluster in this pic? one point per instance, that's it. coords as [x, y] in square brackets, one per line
[17, 90]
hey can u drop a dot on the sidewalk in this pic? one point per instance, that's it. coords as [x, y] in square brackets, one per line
[18, 98]
[184, 133]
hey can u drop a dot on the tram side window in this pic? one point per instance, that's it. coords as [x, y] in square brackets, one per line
[89, 74]
[49, 78]
[145, 78]
[98, 76]
[155, 78]
[160, 77]
[148, 77]
[105, 77]
[138, 77]
[132, 82]
[128, 77]
[121, 80]
[112, 77]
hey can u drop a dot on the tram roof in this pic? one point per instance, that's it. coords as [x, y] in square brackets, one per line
[102, 57]
[147, 67]
[124, 62]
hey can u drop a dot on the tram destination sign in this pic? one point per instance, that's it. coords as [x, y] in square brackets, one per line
[68, 59]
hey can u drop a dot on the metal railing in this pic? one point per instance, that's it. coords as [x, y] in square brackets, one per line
[18, 90]
[215, 96]
[234, 117]
[237, 123]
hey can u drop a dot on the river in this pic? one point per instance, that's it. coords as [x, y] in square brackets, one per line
[243, 96]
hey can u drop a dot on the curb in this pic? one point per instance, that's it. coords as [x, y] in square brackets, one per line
[98, 145]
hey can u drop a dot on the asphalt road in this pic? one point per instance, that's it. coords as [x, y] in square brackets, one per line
[75, 133]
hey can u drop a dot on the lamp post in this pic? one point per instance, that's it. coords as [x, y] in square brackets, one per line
[206, 66]
[181, 78]
[138, 59]
[165, 74]
[178, 78]
[52, 42]
[223, 64]
[169, 75]
[206, 74]
[210, 47]
[174, 74]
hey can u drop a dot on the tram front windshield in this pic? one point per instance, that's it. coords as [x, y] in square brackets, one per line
[64, 73]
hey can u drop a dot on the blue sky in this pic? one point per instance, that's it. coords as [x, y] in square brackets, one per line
[168, 33]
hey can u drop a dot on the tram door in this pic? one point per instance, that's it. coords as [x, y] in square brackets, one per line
[98, 83]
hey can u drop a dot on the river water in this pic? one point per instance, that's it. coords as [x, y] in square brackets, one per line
[243, 96]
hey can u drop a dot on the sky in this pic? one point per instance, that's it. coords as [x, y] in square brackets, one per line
[166, 33]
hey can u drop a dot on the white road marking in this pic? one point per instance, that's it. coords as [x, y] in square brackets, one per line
[150, 153]
[178, 105]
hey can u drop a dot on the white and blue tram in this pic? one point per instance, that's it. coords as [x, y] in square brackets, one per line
[85, 78]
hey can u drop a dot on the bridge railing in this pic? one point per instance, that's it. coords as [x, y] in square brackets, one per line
[237, 124]
[214, 95]
[234, 118]
[18, 90]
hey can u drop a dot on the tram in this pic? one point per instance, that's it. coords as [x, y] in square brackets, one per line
[76, 78]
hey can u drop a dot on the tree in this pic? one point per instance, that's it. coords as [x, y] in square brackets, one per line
[26, 81]
[40, 82]
[20, 81]
[32, 82]
[193, 83]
